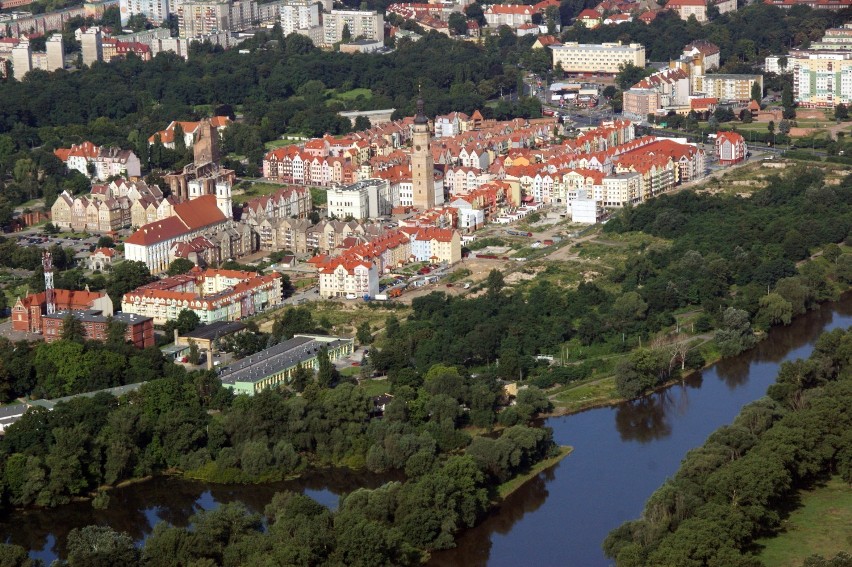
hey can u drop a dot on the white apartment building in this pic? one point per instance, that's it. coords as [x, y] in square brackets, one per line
[822, 75]
[298, 15]
[364, 24]
[369, 198]
[157, 11]
[605, 58]
[348, 278]
[586, 209]
[620, 189]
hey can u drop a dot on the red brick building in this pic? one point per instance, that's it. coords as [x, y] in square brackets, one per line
[139, 332]
[28, 313]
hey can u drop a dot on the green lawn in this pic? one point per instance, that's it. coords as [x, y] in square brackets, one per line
[256, 190]
[821, 525]
[373, 387]
[589, 393]
[275, 144]
[353, 94]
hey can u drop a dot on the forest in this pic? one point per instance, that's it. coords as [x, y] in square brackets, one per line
[744, 36]
[735, 488]
[189, 423]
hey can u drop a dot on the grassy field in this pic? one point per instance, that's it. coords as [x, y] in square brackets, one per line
[353, 94]
[374, 387]
[588, 393]
[340, 317]
[821, 525]
[256, 190]
[275, 144]
[507, 488]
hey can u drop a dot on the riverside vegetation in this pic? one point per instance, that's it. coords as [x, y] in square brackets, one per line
[738, 486]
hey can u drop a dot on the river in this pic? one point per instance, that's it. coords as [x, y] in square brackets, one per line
[621, 455]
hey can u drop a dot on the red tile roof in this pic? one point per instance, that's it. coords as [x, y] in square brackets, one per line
[199, 213]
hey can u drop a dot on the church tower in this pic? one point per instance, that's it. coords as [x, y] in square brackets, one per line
[206, 147]
[422, 165]
[223, 197]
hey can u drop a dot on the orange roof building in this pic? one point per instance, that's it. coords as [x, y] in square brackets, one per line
[28, 312]
[213, 295]
[152, 242]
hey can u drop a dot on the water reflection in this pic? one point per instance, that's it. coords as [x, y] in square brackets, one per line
[137, 508]
[474, 546]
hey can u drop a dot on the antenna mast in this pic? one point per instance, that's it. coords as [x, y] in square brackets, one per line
[47, 264]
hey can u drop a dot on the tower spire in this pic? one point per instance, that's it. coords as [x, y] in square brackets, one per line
[420, 117]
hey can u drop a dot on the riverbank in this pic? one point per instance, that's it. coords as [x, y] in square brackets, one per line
[510, 486]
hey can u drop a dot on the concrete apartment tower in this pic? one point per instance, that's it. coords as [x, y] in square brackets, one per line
[206, 146]
[22, 59]
[55, 53]
[422, 164]
[93, 46]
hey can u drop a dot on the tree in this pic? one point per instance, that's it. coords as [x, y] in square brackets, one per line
[364, 334]
[756, 92]
[787, 101]
[494, 283]
[346, 34]
[774, 309]
[735, 335]
[180, 140]
[362, 123]
[187, 321]
[844, 268]
[180, 266]
[630, 74]
[457, 23]
[100, 546]
[326, 373]
[194, 356]
[105, 242]
[72, 329]
[475, 12]
[784, 127]
[126, 276]
[771, 127]
[841, 112]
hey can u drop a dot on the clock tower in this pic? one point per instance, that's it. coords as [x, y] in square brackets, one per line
[422, 165]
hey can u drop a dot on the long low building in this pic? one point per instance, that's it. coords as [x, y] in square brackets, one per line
[276, 365]
[139, 330]
[605, 58]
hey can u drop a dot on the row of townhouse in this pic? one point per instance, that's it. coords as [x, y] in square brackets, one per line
[109, 208]
[355, 272]
[629, 174]
[299, 236]
[291, 165]
[213, 295]
[462, 179]
[99, 162]
[288, 202]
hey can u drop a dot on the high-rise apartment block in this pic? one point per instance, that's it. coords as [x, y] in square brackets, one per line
[361, 24]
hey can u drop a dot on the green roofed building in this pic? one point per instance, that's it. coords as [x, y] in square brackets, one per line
[276, 365]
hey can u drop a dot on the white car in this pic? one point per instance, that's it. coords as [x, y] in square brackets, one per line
[351, 296]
